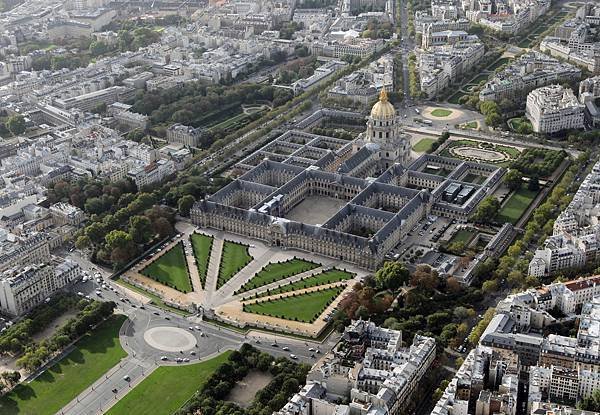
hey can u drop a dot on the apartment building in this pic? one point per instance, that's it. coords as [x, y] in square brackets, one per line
[575, 240]
[369, 369]
[23, 288]
[553, 108]
[530, 71]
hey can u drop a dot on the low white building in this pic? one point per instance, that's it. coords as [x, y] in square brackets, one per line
[553, 108]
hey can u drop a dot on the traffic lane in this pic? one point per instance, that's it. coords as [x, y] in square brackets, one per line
[102, 392]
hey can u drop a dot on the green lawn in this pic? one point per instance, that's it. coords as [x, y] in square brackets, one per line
[479, 78]
[463, 235]
[424, 145]
[233, 258]
[171, 269]
[202, 244]
[473, 178]
[167, 388]
[471, 124]
[497, 64]
[94, 355]
[304, 307]
[276, 271]
[325, 277]
[440, 112]
[516, 205]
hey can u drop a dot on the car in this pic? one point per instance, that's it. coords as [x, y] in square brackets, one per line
[293, 356]
[133, 306]
[179, 360]
[156, 313]
[115, 390]
[79, 293]
[186, 359]
[167, 318]
[312, 355]
[190, 328]
[98, 292]
[285, 348]
[122, 299]
[126, 378]
[163, 358]
[311, 349]
[142, 307]
[318, 351]
[274, 345]
[193, 353]
[197, 328]
[87, 297]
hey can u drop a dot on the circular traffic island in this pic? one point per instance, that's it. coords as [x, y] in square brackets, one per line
[169, 339]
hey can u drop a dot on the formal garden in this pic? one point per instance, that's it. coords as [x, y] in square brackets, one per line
[171, 269]
[306, 307]
[323, 278]
[93, 355]
[479, 151]
[517, 203]
[277, 271]
[202, 246]
[234, 257]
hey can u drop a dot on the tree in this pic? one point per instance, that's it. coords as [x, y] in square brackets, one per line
[490, 286]
[513, 179]
[185, 204]
[11, 378]
[117, 239]
[534, 184]
[392, 275]
[591, 403]
[163, 227]
[82, 242]
[424, 277]
[140, 229]
[487, 210]
[16, 124]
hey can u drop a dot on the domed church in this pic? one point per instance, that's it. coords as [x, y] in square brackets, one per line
[383, 144]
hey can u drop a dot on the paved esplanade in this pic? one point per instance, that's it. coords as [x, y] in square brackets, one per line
[151, 333]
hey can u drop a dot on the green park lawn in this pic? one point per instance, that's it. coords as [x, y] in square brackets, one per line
[440, 112]
[424, 145]
[325, 277]
[202, 244]
[463, 235]
[276, 271]
[516, 205]
[94, 355]
[171, 269]
[304, 307]
[471, 124]
[234, 257]
[167, 388]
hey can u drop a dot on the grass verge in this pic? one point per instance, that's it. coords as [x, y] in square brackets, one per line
[167, 388]
[202, 245]
[93, 356]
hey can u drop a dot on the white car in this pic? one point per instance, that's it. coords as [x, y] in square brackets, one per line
[285, 348]
[293, 356]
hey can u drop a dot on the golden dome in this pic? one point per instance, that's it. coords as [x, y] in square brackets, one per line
[383, 110]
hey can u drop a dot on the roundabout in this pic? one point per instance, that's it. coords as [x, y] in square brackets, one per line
[169, 339]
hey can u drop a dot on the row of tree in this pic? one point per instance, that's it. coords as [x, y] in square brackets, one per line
[287, 378]
[17, 337]
[35, 355]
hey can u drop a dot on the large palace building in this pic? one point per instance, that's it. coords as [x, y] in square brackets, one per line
[349, 200]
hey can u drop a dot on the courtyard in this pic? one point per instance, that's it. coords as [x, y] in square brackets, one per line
[315, 210]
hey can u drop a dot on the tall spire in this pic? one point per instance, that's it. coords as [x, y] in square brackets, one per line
[383, 95]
